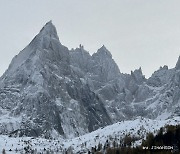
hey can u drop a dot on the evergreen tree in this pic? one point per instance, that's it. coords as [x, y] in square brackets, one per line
[99, 147]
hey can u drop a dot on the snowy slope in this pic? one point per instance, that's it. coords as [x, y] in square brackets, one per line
[137, 127]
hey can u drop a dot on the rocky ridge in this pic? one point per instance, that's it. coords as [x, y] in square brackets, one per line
[51, 91]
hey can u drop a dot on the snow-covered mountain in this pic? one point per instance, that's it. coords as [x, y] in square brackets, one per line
[137, 128]
[50, 91]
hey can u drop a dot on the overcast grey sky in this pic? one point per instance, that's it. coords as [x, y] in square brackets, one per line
[138, 33]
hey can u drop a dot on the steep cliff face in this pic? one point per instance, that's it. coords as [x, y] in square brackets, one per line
[51, 91]
[43, 91]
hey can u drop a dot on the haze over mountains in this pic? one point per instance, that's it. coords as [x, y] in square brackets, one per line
[50, 91]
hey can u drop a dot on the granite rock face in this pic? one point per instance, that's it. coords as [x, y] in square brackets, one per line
[50, 91]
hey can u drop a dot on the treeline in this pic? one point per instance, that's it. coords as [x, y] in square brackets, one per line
[166, 141]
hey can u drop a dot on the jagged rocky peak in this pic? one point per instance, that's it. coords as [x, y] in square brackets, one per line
[138, 75]
[165, 67]
[49, 29]
[80, 49]
[178, 64]
[104, 65]
[103, 52]
[80, 58]
[47, 38]
[160, 77]
[45, 83]
[137, 71]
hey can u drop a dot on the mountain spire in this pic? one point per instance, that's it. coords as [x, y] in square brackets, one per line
[49, 29]
[47, 38]
[103, 51]
[178, 64]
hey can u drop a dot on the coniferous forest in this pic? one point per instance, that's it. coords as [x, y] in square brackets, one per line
[166, 141]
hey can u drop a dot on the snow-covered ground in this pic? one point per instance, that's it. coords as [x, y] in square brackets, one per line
[138, 127]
